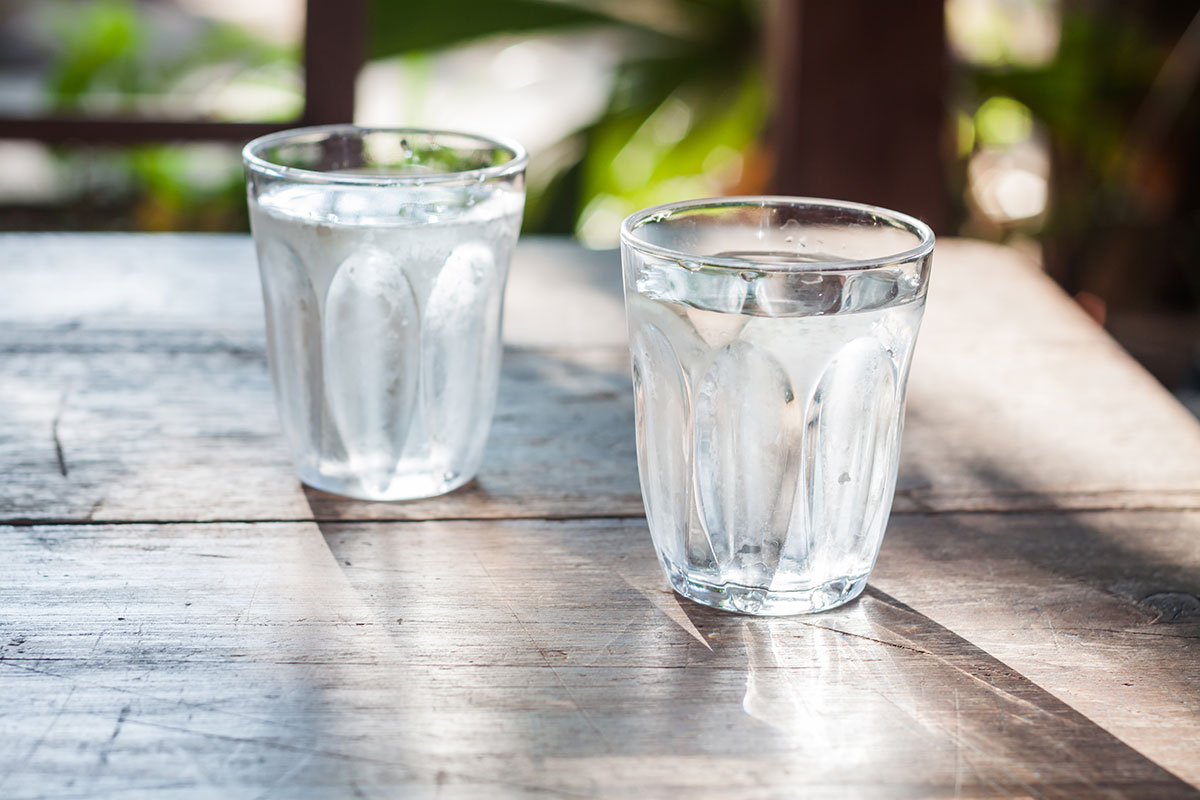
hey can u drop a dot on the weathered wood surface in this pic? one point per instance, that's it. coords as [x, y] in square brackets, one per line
[157, 370]
[1098, 608]
[179, 618]
[367, 657]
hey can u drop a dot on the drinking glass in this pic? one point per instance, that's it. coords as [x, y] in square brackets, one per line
[383, 256]
[771, 339]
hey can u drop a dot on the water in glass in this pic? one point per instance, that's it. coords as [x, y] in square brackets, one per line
[383, 309]
[770, 406]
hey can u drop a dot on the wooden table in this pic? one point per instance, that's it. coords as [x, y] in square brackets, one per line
[180, 618]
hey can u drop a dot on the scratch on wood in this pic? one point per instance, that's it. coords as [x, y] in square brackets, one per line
[108, 746]
[120, 720]
[285, 776]
[984, 681]
[244, 617]
[868, 638]
[42, 738]
[58, 448]
[96, 506]
[272, 744]
[1050, 626]
[625, 629]
[212, 706]
[521, 623]
[1144, 633]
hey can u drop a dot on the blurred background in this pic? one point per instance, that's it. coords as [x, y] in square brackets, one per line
[1065, 128]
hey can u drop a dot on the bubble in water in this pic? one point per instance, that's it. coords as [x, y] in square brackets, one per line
[790, 228]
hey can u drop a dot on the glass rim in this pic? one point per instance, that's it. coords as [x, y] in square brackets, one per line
[897, 219]
[257, 163]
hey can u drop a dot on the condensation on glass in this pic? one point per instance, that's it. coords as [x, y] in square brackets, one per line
[771, 340]
[383, 256]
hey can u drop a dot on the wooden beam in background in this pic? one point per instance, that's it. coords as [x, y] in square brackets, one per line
[859, 106]
[84, 130]
[334, 50]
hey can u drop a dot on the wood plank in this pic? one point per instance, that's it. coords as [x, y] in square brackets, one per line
[150, 382]
[1100, 609]
[471, 659]
[140, 361]
[164, 429]
[559, 294]
[1018, 400]
[152, 374]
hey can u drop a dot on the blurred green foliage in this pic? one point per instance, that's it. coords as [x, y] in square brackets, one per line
[106, 56]
[682, 116]
[99, 46]
[683, 120]
[1124, 214]
[1088, 95]
[108, 47]
[1002, 122]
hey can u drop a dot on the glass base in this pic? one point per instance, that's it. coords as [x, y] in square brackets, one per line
[766, 603]
[401, 487]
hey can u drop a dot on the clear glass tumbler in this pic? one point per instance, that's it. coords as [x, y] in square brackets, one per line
[771, 339]
[383, 256]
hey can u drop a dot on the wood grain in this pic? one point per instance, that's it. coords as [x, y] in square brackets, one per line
[502, 658]
[149, 390]
[160, 428]
[1018, 401]
[179, 617]
[1100, 609]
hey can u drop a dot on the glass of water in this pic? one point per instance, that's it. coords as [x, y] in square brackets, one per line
[771, 339]
[383, 256]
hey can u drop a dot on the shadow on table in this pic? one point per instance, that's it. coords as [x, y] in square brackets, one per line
[555, 642]
[572, 647]
[1145, 557]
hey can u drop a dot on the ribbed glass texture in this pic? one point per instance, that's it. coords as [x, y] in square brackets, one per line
[383, 256]
[771, 340]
